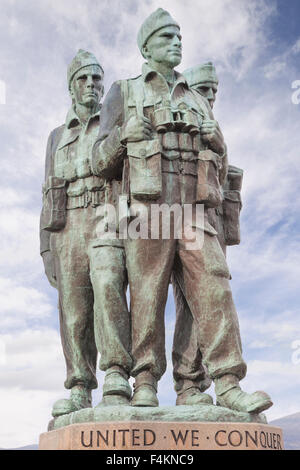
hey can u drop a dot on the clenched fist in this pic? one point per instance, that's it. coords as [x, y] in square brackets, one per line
[211, 135]
[136, 129]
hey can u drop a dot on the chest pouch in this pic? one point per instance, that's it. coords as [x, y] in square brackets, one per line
[54, 204]
[145, 173]
[208, 186]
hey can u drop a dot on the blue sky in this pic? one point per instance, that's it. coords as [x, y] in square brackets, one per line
[255, 45]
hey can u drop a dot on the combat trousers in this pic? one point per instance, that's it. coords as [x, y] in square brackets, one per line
[186, 356]
[80, 292]
[202, 276]
[112, 318]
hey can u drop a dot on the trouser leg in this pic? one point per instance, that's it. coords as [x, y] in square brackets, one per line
[203, 277]
[112, 318]
[149, 264]
[188, 369]
[76, 324]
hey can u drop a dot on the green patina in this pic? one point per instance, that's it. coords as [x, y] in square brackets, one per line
[157, 142]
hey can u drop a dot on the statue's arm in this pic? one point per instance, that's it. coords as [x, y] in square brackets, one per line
[44, 234]
[218, 144]
[47, 255]
[108, 150]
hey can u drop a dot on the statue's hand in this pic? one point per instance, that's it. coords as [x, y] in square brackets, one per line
[136, 129]
[49, 266]
[212, 135]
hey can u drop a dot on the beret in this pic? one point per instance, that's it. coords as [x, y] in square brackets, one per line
[201, 74]
[82, 59]
[157, 20]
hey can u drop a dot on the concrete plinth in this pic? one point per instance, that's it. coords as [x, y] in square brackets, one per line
[149, 435]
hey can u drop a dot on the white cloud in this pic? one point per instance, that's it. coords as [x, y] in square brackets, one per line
[280, 329]
[34, 360]
[26, 414]
[31, 380]
[21, 304]
[281, 380]
[279, 64]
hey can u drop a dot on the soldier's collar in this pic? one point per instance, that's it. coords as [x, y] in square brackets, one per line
[72, 120]
[148, 73]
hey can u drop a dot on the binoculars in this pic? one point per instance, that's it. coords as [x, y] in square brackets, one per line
[181, 119]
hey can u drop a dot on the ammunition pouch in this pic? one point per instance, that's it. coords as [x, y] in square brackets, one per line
[231, 216]
[208, 185]
[145, 172]
[53, 216]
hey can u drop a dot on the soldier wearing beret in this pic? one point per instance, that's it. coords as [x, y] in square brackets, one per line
[69, 218]
[189, 374]
[152, 128]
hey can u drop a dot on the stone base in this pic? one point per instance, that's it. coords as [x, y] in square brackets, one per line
[149, 435]
[200, 427]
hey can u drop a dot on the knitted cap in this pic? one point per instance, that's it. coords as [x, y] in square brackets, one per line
[82, 59]
[157, 20]
[201, 74]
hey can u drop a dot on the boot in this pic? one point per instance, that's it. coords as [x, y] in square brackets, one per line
[205, 383]
[80, 397]
[116, 388]
[192, 397]
[145, 390]
[230, 395]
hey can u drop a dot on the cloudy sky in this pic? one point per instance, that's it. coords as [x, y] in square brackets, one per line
[255, 45]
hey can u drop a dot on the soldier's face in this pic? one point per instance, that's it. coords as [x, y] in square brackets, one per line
[209, 91]
[87, 86]
[164, 46]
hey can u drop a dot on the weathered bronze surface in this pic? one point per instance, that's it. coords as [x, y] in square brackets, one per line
[155, 143]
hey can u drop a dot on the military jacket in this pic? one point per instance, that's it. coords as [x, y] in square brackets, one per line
[150, 95]
[68, 156]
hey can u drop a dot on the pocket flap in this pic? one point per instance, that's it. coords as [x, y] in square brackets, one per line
[232, 195]
[69, 136]
[206, 227]
[53, 182]
[144, 148]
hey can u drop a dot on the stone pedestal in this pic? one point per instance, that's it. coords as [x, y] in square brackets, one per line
[141, 435]
[205, 427]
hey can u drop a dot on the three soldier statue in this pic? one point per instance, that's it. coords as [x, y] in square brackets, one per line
[153, 143]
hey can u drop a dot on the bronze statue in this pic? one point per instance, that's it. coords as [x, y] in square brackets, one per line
[190, 376]
[153, 131]
[80, 269]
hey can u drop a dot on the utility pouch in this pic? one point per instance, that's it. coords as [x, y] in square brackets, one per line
[231, 216]
[53, 216]
[208, 186]
[145, 173]
[232, 205]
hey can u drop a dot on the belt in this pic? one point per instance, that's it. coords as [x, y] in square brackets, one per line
[93, 198]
